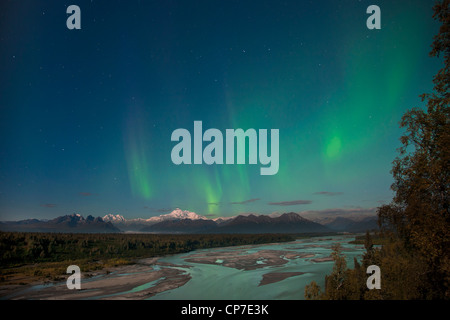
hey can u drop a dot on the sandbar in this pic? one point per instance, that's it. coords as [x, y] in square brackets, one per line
[242, 260]
[273, 277]
[138, 281]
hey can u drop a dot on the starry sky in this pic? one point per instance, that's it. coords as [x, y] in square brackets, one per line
[86, 116]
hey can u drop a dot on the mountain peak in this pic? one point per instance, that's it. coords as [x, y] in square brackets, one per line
[291, 216]
[76, 216]
[182, 214]
[114, 218]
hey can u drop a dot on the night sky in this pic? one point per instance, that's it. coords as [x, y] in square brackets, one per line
[86, 116]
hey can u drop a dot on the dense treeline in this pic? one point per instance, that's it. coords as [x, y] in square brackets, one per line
[17, 248]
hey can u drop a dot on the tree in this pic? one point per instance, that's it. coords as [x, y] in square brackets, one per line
[335, 282]
[419, 213]
[312, 291]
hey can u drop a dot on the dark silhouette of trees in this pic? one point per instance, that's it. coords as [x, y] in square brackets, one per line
[18, 248]
[418, 216]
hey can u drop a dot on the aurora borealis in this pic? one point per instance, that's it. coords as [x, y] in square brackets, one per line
[87, 115]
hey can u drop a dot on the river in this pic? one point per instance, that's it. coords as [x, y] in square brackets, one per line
[276, 271]
[218, 281]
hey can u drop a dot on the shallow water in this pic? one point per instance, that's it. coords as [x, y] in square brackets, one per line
[216, 281]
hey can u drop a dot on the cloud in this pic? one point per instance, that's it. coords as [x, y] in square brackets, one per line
[290, 203]
[213, 203]
[48, 205]
[327, 193]
[86, 194]
[246, 201]
[339, 212]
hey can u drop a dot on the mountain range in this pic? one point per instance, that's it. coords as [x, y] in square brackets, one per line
[342, 224]
[75, 223]
[182, 221]
[286, 223]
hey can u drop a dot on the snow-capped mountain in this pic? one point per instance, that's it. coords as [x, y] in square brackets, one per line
[73, 223]
[180, 214]
[117, 218]
[137, 224]
[176, 214]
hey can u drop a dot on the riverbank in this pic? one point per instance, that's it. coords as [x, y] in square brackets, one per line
[136, 281]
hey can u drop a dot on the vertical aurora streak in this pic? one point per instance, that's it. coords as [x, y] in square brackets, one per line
[138, 156]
